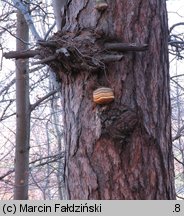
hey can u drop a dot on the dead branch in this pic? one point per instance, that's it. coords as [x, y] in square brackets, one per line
[49, 159]
[175, 25]
[5, 109]
[178, 134]
[15, 35]
[182, 198]
[37, 103]
[111, 58]
[179, 161]
[45, 60]
[51, 43]
[21, 55]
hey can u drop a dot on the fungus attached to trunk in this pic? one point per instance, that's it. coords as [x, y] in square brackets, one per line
[103, 95]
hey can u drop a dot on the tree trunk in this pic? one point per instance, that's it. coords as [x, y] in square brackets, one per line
[121, 150]
[58, 6]
[22, 114]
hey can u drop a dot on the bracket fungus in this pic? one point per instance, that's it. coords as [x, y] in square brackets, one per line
[101, 5]
[103, 95]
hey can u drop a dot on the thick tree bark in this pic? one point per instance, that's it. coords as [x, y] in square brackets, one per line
[22, 114]
[121, 150]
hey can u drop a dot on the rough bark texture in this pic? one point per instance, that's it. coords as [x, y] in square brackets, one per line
[120, 150]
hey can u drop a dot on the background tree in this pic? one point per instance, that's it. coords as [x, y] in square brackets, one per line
[176, 48]
[46, 161]
[22, 113]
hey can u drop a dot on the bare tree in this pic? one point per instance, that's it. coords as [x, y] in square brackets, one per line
[22, 114]
[176, 48]
[39, 93]
[59, 10]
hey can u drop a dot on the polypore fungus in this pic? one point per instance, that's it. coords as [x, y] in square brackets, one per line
[103, 95]
[101, 5]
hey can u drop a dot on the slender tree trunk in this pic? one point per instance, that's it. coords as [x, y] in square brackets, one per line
[46, 187]
[58, 6]
[22, 114]
[121, 150]
[60, 147]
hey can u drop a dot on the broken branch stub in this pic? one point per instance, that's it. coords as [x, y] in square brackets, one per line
[78, 51]
[21, 54]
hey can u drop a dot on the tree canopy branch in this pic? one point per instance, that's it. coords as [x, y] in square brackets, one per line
[175, 25]
[37, 103]
[19, 5]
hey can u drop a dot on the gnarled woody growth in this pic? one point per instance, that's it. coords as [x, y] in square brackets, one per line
[85, 50]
